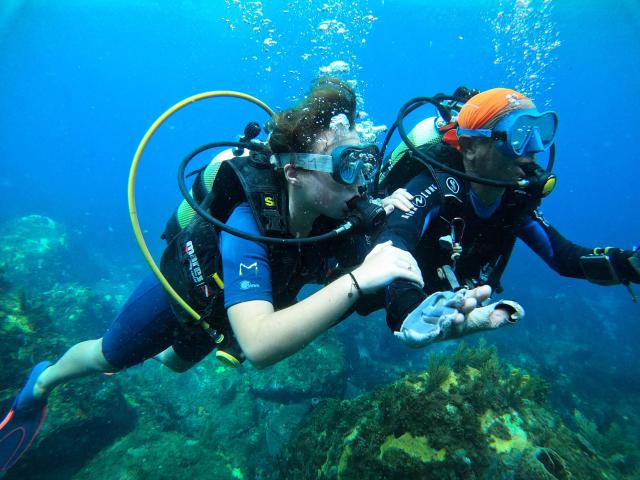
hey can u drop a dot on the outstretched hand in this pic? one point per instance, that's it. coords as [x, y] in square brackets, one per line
[446, 315]
[384, 264]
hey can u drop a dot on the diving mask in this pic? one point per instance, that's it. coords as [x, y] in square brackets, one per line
[347, 164]
[521, 133]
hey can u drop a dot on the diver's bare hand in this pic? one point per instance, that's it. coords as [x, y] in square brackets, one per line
[384, 264]
[400, 199]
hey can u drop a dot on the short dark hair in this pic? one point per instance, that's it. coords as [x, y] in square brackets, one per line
[295, 129]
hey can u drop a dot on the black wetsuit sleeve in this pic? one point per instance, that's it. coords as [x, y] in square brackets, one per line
[560, 254]
[405, 230]
[564, 256]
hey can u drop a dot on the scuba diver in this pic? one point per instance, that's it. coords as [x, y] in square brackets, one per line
[471, 188]
[303, 183]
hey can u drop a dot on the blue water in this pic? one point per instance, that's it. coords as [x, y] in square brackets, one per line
[80, 82]
[80, 85]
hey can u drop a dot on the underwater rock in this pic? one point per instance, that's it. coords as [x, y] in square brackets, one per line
[148, 453]
[27, 337]
[33, 251]
[41, 325]
[281, 422]
[76, 310]
[319, 370]
[458, 419]
[36, 254]
[83, 419]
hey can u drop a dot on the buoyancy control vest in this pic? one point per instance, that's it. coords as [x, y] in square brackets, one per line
[486, 244]
[191, 261]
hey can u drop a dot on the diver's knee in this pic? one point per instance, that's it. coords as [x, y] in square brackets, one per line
[100, 359]
[174, 362]
[177, 368]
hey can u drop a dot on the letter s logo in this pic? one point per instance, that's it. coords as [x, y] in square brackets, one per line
[269, 202]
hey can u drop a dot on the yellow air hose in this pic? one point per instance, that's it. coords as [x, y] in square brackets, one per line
[132, 180]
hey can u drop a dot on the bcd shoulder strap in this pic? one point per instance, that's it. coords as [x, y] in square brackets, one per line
[263, 191]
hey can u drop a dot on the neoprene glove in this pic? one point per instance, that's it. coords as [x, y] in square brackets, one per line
[434, 319]
[626, 264]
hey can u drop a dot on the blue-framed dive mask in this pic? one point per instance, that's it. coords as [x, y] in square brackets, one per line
[355, 162]
[347, 164]
[521, 133]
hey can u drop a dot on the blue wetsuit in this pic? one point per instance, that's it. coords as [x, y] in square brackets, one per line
[146, 325]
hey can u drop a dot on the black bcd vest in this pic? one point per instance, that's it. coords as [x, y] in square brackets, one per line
[192, 256]
[486, 243]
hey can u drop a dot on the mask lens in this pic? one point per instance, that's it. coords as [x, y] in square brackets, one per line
[356, 163]
[547, 126]
[532, 134]
[349, 166]
[520, 134]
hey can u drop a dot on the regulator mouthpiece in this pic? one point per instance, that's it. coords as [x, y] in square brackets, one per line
[365, 215]
[251, 131]
[539, 182]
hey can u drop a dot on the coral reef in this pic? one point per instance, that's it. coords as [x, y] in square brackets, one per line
[32, 250]
[85, 418]
[454, 420]
[468, 415]
[41, 325]
[150, 453]
[318, 371]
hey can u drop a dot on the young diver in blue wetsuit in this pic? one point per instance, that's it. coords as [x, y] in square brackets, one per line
[462, 232]
[312, 147]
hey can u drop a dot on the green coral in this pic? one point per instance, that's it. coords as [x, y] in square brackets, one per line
[519, 385]
[417, 448]
[456, 426]
[466, 356]
[588, 430]
[438, 372]
[14, 313]
[505, 431]
[609, 443]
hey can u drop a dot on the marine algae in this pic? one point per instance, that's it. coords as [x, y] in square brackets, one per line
[415, 447]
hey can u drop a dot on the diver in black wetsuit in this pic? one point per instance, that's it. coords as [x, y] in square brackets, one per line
[462, 233]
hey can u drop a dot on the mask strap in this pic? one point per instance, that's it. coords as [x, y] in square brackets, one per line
[308, 161]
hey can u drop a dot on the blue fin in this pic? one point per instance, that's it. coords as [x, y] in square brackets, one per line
[21, 425]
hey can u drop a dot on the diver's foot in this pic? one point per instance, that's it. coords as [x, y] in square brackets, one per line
[39, 392]
[21, 425]
[32, 394]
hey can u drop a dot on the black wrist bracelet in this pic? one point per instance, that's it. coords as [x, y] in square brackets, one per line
[355, 282]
